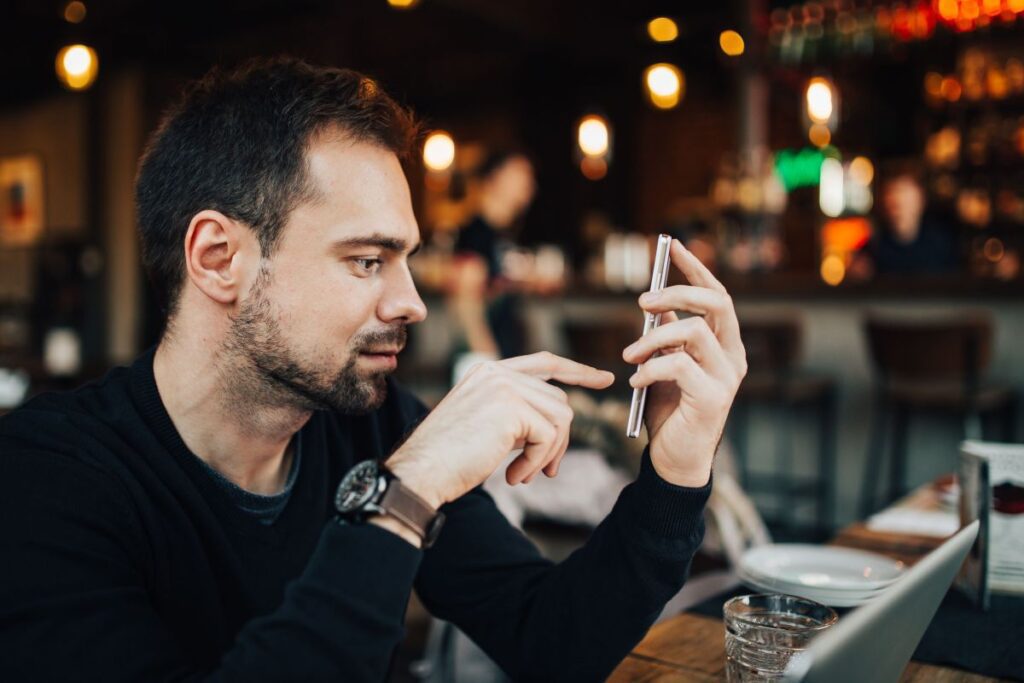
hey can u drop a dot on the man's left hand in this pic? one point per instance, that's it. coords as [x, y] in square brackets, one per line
[693, 368]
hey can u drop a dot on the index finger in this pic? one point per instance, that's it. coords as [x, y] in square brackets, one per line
[695, 271]
[548, 366]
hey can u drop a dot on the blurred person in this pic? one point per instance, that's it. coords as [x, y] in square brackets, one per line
[912, 239]
[255, 497]
[485, 303]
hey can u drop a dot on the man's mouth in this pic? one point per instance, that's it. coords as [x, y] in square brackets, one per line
[384, 356]
[384, 351]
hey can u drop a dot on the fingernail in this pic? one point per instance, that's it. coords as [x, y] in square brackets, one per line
[632, 379]
[650, 297]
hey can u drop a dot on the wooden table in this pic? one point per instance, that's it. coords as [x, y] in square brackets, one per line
[691, 647]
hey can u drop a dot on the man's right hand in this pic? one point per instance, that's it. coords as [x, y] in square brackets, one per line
[498, 407]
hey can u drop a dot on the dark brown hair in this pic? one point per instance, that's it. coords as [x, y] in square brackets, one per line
[236, 143]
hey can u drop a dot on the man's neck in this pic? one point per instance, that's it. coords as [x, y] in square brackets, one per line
[222, 424]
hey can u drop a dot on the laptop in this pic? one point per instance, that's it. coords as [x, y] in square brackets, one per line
[875, 642]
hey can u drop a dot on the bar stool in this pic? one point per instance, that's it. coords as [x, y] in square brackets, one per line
[775, 383]
[928, 366]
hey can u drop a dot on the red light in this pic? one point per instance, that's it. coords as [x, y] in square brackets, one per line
[901, 23]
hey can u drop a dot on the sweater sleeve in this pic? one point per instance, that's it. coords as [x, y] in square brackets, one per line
[75, 602]
[574, 621]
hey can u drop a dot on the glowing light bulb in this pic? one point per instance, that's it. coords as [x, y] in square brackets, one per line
[819, 100]
[439, 151]
[592, 136]
[662, 30]
[665, 84]
[731, 43]
[77, 66]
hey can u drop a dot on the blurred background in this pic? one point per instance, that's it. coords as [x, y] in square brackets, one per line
[852, 170]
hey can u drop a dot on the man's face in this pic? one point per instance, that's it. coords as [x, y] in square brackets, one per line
[326, 317]
[903, 204]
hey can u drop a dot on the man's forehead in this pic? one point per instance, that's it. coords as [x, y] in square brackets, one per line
[361, 194]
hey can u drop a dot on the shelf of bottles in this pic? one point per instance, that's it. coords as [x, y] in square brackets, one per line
[974, 152]
[807, 33]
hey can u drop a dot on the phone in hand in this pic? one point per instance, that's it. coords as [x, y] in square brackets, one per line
[659, 276]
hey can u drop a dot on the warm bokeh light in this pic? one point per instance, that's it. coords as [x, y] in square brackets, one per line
[594, 168]
[949, 10]
[830, 192]
[74, 12]
[592, 136]
[994, 249]
[819, 135]
[819, 99]
[845, 235]
[933, 84]
[439, 151]
[665, 85]
[662, 30]
[862, 171]
[731, 43]
[77, 66]
[833, 270]
[950, 89]
[403, 4]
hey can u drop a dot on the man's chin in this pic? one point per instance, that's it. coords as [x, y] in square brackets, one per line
[370, 395]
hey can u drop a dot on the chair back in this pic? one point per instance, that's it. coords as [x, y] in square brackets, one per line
[773, 344]
[940, 350]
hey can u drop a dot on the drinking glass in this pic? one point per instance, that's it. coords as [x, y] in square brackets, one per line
[762, 633]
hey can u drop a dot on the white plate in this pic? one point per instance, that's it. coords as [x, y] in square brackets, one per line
[798, 589]
[821, 567]
[825, 598]
[783, 584]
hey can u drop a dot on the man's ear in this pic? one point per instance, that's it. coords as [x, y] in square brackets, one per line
[216, 255]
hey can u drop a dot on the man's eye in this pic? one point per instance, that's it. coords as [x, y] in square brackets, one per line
[370, 265]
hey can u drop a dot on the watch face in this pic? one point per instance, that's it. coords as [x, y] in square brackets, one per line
[358, 487]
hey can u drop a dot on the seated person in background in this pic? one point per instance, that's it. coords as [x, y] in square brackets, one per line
[255, 498]
[910, 239]
[484, 303]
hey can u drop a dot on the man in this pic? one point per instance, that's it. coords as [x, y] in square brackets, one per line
[182, 519]
[912, 240]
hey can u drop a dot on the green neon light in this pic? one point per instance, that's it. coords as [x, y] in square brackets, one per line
[802, 168]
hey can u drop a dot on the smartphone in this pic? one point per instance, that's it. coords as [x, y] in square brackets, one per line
[659, 276]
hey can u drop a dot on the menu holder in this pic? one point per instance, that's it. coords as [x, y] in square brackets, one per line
[992, 485]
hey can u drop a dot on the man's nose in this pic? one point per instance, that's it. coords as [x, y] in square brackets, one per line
[402, 301]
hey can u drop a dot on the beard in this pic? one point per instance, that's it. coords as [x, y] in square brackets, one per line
[267, 371]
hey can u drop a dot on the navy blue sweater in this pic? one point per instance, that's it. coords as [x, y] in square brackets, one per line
[122, 559]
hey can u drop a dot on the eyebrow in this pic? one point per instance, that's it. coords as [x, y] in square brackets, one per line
[376, 240]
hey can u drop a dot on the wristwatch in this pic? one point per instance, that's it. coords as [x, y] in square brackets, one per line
[370, 489]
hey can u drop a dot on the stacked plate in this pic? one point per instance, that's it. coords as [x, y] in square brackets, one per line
[839, 577]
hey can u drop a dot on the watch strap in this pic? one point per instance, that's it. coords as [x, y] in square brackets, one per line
[401, 503]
